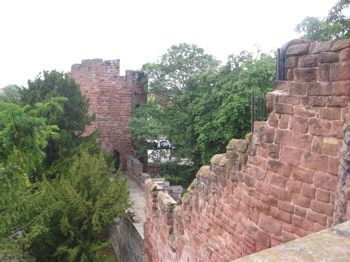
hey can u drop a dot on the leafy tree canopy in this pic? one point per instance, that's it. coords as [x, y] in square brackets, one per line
[71, 121]
[333, 27]
[65, 218]
[23, 137]
[10, 94]
[201, 111]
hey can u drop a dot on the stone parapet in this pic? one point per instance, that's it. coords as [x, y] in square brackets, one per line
[280, 183]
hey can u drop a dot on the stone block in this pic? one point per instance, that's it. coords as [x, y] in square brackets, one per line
[317, 144]
[305, 74]
[328, 57]
[305, 111]
[299, 124]
[278, 167]
[290, 155]
[284, 109]
[263, 238]
[259, 173]
[330, 146]
[281, 86]
[294, 186]
[302, 141]
[314, 161]
[267, 135]
[322, 47]
[323, 195]
[300, 49]
[308, 191]
[273, 151]
[338, 101]
[290, 74]
[273, 120]
[302, 201]
[308, 61]
[238, 144]
[340, 44]
[324, 72]
[302, 174]
[316, 217]
[319, 127]
[289, 99]
[270, 225]
[344, 55]
[340, 71]
[277, 180]
[284, 137]
[284, 122]
[307, 225]
[291, 62]
[280, 194]
[222, 161]
[319, 89]
[322, 208]
[259, 125]
[330, 113]
[341, 88]
[270, 100]
[263, 208]
[281, 215]
[325, 181]
[216, 159]
[297, 88]
[333, 165]
[286, 206]
[300, 211]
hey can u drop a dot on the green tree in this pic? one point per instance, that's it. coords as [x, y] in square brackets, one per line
[167, 80]
[333, 27]
[167, 77]
[10, 94]
[23, 138]
[66, 217]
[207, 109]
[71, 121]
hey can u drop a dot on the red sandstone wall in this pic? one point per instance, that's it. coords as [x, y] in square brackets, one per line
[279, 184]
[113, 98]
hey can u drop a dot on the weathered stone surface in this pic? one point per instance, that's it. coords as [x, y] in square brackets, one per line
[322, 47]
[314, 247]
[113, 99]
[340, 71]
[300, 49]
[319, 89]
[327, 58]
[307, 61]
[238, 144]
[339, 45]
[291, 62]
[305, 74]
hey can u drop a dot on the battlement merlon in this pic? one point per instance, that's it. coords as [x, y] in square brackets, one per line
[91, 63]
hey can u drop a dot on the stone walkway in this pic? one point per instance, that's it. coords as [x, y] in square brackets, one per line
[137, 196]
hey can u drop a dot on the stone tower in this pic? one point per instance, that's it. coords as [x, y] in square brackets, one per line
[113, 98]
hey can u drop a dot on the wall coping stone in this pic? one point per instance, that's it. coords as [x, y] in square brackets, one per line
[331, 244]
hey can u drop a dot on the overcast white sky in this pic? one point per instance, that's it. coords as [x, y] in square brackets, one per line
[39, 35]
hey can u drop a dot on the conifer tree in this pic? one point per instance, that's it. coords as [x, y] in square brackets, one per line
[66, 217]
[71, 121]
